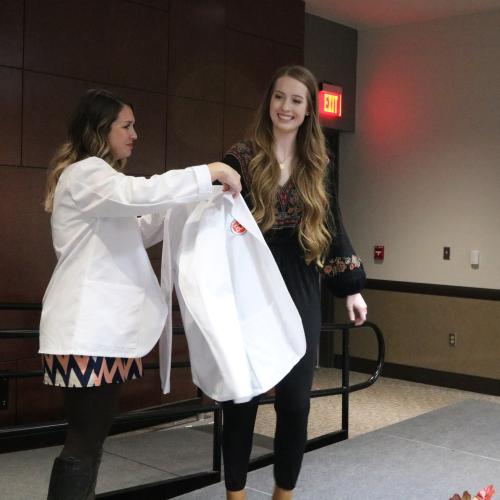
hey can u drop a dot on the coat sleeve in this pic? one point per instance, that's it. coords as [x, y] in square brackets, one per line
[343, 270]
[100, 191]
[151, 226]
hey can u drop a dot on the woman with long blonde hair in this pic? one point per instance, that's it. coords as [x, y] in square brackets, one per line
[103, 309]
[286, 178]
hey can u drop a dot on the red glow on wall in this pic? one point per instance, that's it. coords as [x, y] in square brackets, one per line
[330, 102]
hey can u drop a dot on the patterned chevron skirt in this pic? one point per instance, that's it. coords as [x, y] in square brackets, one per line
[89, 371]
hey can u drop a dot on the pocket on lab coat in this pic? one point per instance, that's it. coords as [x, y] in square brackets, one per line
[110, 314]
[270, 354]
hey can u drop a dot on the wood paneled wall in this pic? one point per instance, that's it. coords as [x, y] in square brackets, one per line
[194, 71]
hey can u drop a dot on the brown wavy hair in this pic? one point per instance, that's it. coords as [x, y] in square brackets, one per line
[87, 135]
[309, 173]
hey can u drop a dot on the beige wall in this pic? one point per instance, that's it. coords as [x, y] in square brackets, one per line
[422, 169]
[416, 329]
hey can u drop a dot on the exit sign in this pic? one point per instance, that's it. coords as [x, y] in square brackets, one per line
[330, 101]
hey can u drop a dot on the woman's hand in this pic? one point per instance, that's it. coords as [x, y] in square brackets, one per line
[227, 176]
[356, 308]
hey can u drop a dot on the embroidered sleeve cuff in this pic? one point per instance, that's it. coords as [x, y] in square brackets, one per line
[341, 264]
[203, 179]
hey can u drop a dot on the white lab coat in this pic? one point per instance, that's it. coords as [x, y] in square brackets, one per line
[243, 329]
[103, 298]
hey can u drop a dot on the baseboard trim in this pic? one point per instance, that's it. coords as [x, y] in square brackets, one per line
[433, 289]
[438, 378]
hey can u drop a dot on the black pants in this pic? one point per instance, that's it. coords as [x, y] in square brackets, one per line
[292, 393]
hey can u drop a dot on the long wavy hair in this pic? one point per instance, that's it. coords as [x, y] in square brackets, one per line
[87, 135]
[309, 172]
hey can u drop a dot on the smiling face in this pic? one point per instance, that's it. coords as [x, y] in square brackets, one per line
[288, 105]
[122, 135]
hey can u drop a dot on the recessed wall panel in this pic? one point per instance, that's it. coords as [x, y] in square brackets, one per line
[194, 134]
[196, 55]
[37, 402]
[26, 255]
[49, 102]
[285, 55]
[249, 67]
[279, 20]
[115, 42]
[287, 22]
[156, 4]
[10, 113]
[11, 33]
[237, 125]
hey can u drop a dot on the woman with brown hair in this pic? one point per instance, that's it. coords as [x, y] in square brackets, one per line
[286, 179]
[103, 309]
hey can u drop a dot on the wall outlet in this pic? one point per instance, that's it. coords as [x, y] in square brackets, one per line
[452, 339]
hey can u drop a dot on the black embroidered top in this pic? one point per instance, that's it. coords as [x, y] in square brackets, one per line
[343, 270]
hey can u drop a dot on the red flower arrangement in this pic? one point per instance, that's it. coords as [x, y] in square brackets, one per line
[485, 494]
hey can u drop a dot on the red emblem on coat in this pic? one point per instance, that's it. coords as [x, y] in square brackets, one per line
[237, 228]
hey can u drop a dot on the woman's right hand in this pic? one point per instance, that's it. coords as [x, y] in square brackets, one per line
[227, 176]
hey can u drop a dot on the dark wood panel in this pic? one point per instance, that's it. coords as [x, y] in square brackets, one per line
[141, 393]
[249, 67]
[279, 20]
[37, 402]
[285, 55]
[11, 33]
[287, 18]
[49, 102]
[19, 319]
[151, 124]
[182, 387]
[180, 351]
[237, 125]
[155, 259]
[116, 42]
[196, 51]
[157, 4]
[15, 349]
[27, 258]
[8, 414]
[251, 16]
[194, 132]
[10, 112]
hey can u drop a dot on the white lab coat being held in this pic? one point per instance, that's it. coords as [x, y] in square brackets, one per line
[103, 298]
[243, 329]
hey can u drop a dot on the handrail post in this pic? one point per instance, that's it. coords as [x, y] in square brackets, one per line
[217, 440]
[345, 380]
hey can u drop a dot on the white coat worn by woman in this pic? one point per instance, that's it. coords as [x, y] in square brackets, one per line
[103, 308]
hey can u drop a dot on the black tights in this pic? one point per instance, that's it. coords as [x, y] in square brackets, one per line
[89, 412]
[292, 411]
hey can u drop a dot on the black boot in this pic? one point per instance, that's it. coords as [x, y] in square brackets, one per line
[96, 463]
[71, 479]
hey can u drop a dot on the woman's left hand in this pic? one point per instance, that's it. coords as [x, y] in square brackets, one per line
[356, 308]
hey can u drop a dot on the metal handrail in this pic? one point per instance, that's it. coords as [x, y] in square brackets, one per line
[380, 358]
[171, 487]
[14, 333]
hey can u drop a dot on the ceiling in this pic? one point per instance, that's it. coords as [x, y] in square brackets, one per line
[372, 14]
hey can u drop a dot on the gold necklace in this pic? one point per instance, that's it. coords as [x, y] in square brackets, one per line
[282, 163]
